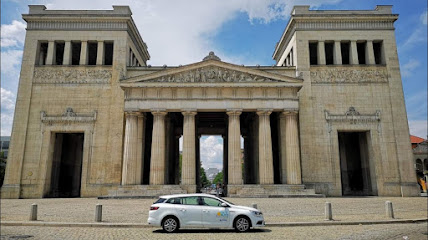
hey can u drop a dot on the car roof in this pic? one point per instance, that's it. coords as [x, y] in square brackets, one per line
[187, 195]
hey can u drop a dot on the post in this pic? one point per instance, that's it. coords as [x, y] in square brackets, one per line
[389, 210]
[254, 205]
[328, 212]
[33, 213]
[98, 213]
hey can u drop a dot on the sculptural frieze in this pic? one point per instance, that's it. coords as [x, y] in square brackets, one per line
[346, 75]
[71, 75]
[212, 75]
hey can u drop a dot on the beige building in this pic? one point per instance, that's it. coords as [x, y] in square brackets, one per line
[93, 119]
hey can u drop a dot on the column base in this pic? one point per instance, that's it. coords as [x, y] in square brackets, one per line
[189, 188]
[10, 191]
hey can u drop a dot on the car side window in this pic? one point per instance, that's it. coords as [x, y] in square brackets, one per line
[211, 202]
[190, 201]
[174, 201]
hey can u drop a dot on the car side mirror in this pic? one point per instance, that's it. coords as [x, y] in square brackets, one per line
[224, 205]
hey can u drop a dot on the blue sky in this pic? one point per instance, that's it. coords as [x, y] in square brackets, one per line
[239, 31]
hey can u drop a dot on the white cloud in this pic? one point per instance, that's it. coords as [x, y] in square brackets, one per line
[10, 62]
[7, 99]
[211, 152]
[6, 123]
[407, 69]
[13, 34]
[424, 17]
[419, 128]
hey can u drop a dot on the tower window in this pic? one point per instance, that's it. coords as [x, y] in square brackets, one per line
[75, 52]
[59, 53]
[43, 53]
[361, 49]
[92, 53]
[377, 50]
[108, 53]
[313, 53]
[344, 49]
[328, 47]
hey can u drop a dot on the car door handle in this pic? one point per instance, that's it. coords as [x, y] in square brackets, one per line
[183, 210]
[205, 211]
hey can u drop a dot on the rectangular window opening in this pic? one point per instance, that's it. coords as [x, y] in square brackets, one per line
[92, 53]
[59, 52]
[75, 52]
[43, 53]
[108, 53]
[377, 49]
[361, 49]
[344, 49]
[328, 47]
[313, 53]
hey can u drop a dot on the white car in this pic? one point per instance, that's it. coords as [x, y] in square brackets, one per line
[202, 210]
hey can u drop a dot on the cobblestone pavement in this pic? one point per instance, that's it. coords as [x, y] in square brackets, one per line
[275, 210]
[389, 231]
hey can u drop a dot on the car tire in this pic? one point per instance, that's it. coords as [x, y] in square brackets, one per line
[170, 224]
[242, 224]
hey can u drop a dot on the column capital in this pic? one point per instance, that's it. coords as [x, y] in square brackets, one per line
[132, 113]
[233, 112]
[289, 112]
[262, 112]
[159, 112]
[189, 112]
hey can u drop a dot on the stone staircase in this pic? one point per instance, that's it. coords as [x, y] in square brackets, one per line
[143, 191]
[274, 191]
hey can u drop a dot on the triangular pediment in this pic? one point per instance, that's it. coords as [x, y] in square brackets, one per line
[212, 71]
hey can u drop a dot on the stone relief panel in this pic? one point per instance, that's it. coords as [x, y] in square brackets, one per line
[67, 75]
[69, 116]
[352, 116]
[346, 75]
[212, 75]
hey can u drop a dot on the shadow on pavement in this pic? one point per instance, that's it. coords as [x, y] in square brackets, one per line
[212, 231]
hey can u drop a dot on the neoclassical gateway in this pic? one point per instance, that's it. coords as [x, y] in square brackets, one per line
[93, 119]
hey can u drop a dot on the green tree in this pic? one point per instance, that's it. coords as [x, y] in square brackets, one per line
[218, 178]
[204, 180]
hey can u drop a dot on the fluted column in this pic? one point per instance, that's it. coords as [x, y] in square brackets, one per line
[234, 148]
[353, 53]
[370, 53]
[141, 123]
[157, 163]
[292, 150]
[129, 174]
[337, 53]
[321, 53]
[282, 128]
[188, 167]
[265, 148]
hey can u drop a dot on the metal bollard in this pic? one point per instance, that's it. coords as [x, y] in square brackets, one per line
[33, 212]
[389, 210]
[328, 211]
[98, 212]
[254, 205]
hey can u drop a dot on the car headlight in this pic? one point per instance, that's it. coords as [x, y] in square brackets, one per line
[256, 213]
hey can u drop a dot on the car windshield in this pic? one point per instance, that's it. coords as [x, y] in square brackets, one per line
[226, 201]
[160, 200]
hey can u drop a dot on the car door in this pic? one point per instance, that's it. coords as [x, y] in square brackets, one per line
[213, 214]
[190, 212]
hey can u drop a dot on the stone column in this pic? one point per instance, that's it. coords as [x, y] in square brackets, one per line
[370, 53]
[84, 53]
[321, 53]
[337, 53]
[234, 148]
[141, 122]
[188, 164]
[282, 128]
[353, 53]
[292, 150]
[157, 163]
[129, 176]
[67, 53]
[51, 53]
[265, 148]
[100, 53]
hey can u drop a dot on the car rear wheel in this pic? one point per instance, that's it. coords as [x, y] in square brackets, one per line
[242, 224]
[170, 224]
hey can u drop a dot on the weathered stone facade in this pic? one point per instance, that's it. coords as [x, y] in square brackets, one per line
[329, 118]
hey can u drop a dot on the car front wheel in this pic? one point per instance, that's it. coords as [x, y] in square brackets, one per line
[242, 224]
[170, 224]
